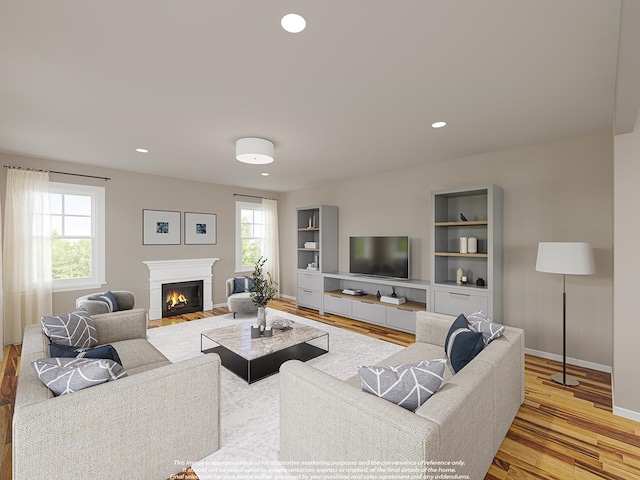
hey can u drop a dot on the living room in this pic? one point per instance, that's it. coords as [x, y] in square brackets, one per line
[564, 187]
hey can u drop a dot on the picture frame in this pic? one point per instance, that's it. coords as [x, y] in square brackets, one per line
[200, 228]
[160, 227]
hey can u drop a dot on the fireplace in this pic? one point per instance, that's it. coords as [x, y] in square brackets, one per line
[181, 297]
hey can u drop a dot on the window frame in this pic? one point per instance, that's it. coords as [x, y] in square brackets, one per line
[248, 206]
[98, 216]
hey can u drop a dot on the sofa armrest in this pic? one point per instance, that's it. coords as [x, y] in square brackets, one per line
[325, 419]
[118, 326]
[433, 327]
[143, 423]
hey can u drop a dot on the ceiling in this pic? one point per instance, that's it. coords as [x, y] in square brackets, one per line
[354, 94]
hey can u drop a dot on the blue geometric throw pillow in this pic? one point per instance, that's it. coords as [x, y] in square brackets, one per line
[242, 284]
[103, 351]
[108, 299]
[462, 344]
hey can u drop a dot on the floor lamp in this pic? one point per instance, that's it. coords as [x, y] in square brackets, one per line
[565, 258]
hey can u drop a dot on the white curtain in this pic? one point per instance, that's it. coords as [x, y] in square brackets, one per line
[1, 301]
[27, 252]
[270, 242]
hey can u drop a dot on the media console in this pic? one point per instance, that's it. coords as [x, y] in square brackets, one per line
[367, 307]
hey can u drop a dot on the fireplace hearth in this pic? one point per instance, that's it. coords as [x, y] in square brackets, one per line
[181, 297]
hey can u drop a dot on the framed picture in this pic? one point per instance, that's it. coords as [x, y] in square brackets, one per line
[200, 228]
[160, 227]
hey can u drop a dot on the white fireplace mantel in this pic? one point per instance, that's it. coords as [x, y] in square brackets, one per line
[171, 271]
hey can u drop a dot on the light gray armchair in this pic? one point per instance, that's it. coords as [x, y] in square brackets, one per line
[239, 302]
[126, 301]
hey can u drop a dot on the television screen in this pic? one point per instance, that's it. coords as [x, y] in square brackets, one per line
[380, 256]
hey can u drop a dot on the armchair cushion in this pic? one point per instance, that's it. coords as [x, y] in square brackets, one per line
[62, 375]
[75, 329]
[104, 352]
[108, 299]
[242, 284]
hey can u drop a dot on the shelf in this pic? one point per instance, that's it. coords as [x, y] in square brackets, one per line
[409, 306]
[462, 224]
[452, 283]
[316, 229]
[308, 249]
[456, 254]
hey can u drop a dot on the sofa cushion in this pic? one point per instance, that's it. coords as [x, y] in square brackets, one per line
[63, 375]
[103, 351]
[478, 322]
[408, 385]
[108, 299]
[75, 329]
[242, 284]
[139, 355]
[462, 344]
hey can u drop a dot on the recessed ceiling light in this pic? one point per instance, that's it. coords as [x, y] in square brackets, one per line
[142, 150]
[264, 174]
[438, 124]
[293, 23]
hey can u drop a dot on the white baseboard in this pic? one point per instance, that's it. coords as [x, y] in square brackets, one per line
[218, 305]
[571, 361]
[288, 297]
[623, 412]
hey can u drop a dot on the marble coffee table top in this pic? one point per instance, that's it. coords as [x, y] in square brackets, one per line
[237, 338]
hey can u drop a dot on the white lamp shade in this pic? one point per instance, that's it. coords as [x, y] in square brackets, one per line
[569, 258]
[256, 151]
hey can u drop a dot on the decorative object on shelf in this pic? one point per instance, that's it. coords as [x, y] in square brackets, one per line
[472, 245]
[463, 218]
[464, 244]
[393, 300]
[310, 222]
[160, 227]
[256, 151]
[279, 323]
[464, 279]
[267, 332]
[264, 289]
[314, 225]
[480, 282]
[565, 258]
[459, 275]
[255, 331]
[378, 295]
[393, 295]
[199, 228]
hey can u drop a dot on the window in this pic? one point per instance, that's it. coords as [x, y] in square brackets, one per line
[77, 236]
[249, 231]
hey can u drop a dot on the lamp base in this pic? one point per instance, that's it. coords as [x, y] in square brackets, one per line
[568, 381]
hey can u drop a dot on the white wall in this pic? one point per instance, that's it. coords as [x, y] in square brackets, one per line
[626, 388]
[560, 191]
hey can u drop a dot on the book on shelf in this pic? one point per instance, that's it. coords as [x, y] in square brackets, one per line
[393, 300]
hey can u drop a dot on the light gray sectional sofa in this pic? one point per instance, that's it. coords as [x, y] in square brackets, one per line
[324, 419]
[139, 425]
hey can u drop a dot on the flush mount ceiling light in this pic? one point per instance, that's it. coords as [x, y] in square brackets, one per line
[293, 23]
[264, 174]
[256, 151]
[142, 150]
[438, 124]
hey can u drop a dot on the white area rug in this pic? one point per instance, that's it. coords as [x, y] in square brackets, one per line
[250, 413]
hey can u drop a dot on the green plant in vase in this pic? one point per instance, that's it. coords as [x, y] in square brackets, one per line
[264, 289]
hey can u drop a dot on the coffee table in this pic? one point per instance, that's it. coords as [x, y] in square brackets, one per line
[253, 359]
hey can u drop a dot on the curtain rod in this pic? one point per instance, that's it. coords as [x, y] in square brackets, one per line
[252, 196]
[59, 173]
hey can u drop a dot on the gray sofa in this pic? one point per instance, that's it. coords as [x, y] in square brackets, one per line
[139, 425]
[324, 419]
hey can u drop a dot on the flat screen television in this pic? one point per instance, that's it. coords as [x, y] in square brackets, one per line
[379, 256]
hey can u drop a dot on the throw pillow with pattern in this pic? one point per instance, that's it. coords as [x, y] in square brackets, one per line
[462, 344]
[478, 322]
[75, 329]
[104, 351]
[408, 385]
[108, 299]
[68, 375]
[242, 284]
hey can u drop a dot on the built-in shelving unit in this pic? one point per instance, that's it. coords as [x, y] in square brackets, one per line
[317, 225]
[482, 207]
[367, 307]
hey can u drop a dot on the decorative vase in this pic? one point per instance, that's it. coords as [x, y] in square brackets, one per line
[464, 244]
[262, 318]
[472, 244]
[459, 275]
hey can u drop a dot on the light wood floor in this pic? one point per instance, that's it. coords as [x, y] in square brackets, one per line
[559, 433]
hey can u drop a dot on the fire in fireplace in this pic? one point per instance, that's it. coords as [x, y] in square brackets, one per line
[181, 297]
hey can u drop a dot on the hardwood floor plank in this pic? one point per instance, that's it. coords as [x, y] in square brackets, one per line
[559, 432]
